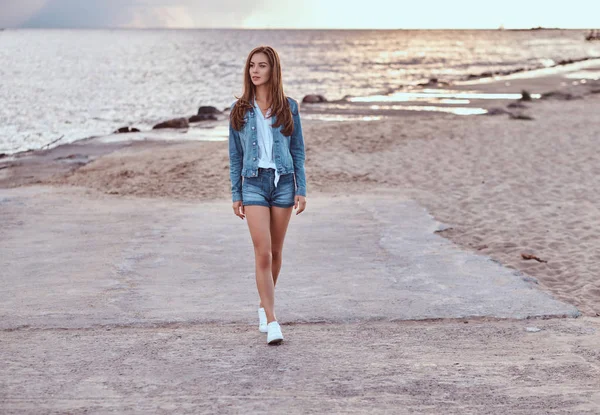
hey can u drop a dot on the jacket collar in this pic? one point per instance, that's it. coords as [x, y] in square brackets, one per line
[253, 114]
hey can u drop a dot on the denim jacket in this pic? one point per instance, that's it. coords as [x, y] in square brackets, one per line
[288, 152]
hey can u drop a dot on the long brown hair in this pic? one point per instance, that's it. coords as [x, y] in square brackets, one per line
[279, 105]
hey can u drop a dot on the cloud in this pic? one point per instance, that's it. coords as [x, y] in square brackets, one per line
[79, 14]
[140, 13]
[13, 13]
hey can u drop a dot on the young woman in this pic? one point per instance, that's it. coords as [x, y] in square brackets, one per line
[266, 166]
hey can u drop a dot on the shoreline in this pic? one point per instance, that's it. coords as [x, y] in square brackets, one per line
[486, 81]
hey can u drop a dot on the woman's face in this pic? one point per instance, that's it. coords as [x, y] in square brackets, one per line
[260, 70]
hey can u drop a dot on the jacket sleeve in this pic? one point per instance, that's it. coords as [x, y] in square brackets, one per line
[235, 163]
[298, 153]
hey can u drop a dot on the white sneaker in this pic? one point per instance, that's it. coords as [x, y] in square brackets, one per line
[274, 335]
[262, 320]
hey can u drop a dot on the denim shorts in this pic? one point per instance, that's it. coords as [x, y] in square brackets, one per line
[261, 190]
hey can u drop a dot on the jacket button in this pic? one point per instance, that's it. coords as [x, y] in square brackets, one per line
[254, 143]
[254, 158]
[253, 128]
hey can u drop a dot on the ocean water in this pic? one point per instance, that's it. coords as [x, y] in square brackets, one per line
[80, 83]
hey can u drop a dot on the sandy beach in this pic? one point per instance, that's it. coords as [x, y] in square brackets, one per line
[505, 185]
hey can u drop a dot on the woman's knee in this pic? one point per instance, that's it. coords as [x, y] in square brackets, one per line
[276, 254]
[264, 257]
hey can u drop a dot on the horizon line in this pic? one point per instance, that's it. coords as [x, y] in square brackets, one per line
[285, 28]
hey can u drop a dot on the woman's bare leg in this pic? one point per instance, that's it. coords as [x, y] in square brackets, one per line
[259, 224]
[280, 219]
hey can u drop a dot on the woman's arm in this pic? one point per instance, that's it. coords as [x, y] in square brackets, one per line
[235, 163]
[298, 153]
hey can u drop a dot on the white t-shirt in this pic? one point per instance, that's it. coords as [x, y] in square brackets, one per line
[265, 141]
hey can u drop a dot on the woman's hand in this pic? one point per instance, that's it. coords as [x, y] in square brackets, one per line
[238, 209]
[300, 204]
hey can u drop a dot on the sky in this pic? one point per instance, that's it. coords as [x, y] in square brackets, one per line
[301, 14]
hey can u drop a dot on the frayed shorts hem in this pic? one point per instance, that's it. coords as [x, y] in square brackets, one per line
[282, 206]
[267, 205]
